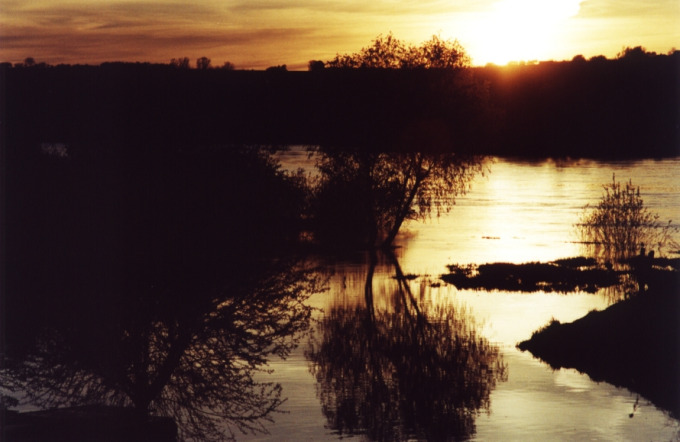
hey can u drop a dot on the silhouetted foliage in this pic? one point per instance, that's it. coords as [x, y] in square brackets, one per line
[196, 366]
[438, 54]
[620, 226]
[228, 66]
[245, 106]
[315, 65]
[182, 63]
[632, 54]
[160, 280]
[385, 52]
[363, 198]
[203, 63]
[391, 53]
[601, 108]
[405, 371]
[598, 58]
[619, 108]
[558, 276]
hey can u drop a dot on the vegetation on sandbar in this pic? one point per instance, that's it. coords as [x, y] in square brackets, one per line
[565, 275]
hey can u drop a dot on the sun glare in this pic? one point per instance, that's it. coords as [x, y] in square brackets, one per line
[515, 30]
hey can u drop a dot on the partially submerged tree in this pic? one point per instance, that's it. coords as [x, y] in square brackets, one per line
[365, 197]
[621, 227]
[417, 156]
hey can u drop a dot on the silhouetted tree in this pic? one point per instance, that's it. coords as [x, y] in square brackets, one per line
[203, 63]
[437, 54]
[391, 53]
[385, 52]
[636, 53]
[369, 195]
[598, 58]
[228, 66]
[315, 65]
[182, 63]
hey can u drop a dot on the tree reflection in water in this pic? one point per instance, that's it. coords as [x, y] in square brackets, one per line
[197, 368]
[148, 281]
[413, 371]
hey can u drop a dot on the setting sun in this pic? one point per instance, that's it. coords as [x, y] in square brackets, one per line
[514, 30]
[255, 35]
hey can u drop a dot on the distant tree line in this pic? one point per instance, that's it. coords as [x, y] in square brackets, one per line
[621, 108]
[373, 99]
[152, 257]
[201, 63]
[387, 52]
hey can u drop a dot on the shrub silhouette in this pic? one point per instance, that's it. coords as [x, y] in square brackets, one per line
[620, 225]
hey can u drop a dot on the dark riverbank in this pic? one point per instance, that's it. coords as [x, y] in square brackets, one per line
[96, 423]
[633, 344]
[601, 108]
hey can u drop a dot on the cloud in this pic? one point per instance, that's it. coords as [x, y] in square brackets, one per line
[106, 14]
[254, 30]
[258, 33]
[106, 43]
[361, 7]
[612, 9]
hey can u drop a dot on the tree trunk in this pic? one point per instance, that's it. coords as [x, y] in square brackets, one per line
[401, 213]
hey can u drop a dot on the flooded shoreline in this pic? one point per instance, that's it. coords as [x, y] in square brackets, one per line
[345, 342]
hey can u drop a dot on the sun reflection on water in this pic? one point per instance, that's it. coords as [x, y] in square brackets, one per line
[520, 212]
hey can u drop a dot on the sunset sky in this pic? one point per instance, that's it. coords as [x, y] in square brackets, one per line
[261, 33]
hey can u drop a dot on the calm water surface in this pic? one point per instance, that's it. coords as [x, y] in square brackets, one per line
[517, 212]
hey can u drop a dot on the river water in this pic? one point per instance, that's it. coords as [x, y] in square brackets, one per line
[517, 212]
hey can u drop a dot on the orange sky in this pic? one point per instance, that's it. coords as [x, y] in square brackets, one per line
[261, 33]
